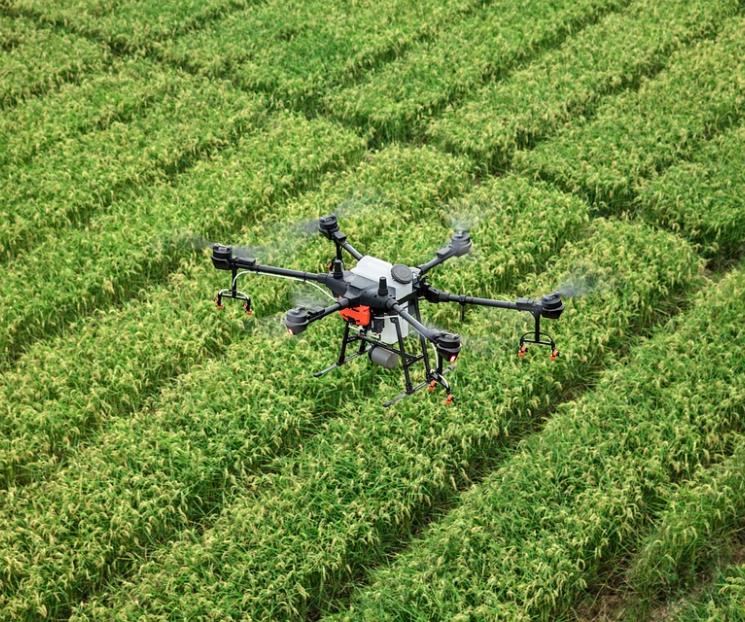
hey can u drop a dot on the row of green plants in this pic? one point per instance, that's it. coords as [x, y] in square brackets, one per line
[568, 82]
[723, 600]
[356, 491]
[395, 100]
[298, 50]
[83, 174]
[700, 516]
[70, 554]
[637, 133]
[529, 539]
[93, 102]
[63, 389]
[702, 198]
[507, 203]
[143, 236]
[129, 26]
[36, 60]
[165, 468]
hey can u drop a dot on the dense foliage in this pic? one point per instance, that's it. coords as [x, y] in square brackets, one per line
[162, 460]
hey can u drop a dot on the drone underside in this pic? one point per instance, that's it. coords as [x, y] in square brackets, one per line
[379, 303]
[380, 334]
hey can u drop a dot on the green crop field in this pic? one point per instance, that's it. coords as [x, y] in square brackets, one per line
[164, 460]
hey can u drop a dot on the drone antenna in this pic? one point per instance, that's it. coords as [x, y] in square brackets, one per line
[382, 286]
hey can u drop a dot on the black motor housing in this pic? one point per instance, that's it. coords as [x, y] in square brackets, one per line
[448, 345]
[222, 256]
[328, 225]
[297, 319]
[461, 243]
[552, 306]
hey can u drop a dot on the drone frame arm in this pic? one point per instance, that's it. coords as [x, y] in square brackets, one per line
[440, 257]
[447, 345]
[251, 265]
[329, 228]
[549, 306]
[350, 249]
[299, 318]
[420, 328]
[458, 246]
[341, 303]
[434, 295]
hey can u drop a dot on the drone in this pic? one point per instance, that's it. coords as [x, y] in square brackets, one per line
[380, 304]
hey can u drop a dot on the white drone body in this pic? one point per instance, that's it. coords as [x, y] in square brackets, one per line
[368, 272]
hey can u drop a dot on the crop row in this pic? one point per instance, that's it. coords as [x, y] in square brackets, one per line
[94, 102]
[35, 60]
[567, 82]
[43, 568]
[723, 600]
[635, 134]
[526, 541]
[127, 25]
[697, 518]
[339, 505]
[400, 95]
[297, 50]
[61, 390]
[84, 174]
[41, 575]
[703, 198]
[143, 236]
[163, 469]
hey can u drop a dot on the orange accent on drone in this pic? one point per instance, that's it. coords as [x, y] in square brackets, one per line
[359, 315]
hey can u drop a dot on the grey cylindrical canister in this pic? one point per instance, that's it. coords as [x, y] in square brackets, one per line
[384, 357]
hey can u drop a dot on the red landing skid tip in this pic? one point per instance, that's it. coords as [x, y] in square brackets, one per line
[219, 305]
[248, 310]
[522, 351]
[431, 386]
[554, 355]
[449, 400]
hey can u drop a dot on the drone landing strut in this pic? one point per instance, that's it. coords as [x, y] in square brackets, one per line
[433, 377]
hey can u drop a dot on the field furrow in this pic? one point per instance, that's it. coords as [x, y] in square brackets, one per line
[703, 198]
[355, 491]
[397, 99]
[699, 517]
[723, 600]
[526, 541]
[635, 134]
[129, 25]
[567, 83]
[34, 60]
[143, 236]
[228, 411]
[297, 50]
[84, 174]
[162, 459]
[97, 100]
[164, 469]
[64, 389]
